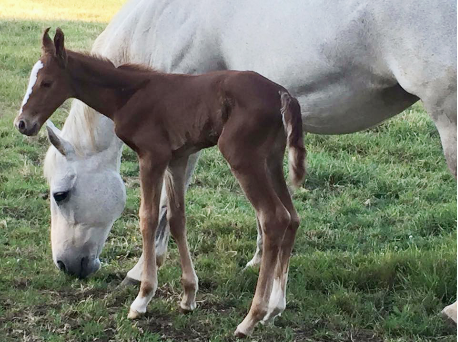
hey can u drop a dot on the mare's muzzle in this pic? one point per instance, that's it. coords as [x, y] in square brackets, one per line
[78, 267]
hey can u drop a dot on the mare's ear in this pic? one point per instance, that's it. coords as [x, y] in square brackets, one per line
[47, 45]
[61, 53]
[63, 146]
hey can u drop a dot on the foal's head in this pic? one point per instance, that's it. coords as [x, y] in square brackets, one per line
[49, 85]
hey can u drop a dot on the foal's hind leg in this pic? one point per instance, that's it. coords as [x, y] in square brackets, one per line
[277, 301]
[175, 186]
[257, 257]
[250, 170]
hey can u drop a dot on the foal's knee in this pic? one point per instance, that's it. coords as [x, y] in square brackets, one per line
[177, 221]
[295, 222]
[275, 224]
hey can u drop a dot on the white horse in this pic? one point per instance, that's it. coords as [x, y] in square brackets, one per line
[351, 64]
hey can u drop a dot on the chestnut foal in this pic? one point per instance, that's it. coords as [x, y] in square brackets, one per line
[165, 118]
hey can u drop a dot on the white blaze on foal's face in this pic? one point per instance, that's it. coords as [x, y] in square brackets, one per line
[33, 79]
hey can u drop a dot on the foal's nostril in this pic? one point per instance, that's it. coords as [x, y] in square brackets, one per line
[61, 266]
[21, 125]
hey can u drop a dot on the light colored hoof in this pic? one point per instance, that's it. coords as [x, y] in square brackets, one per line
[128, 281]
[134, 314]
[240, 334]
[186, 308]
[243, 330]
[270, 317]
[250, 264]
[270, 321]
[450, 314]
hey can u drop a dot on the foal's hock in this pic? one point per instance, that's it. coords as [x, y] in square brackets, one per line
[165, 118]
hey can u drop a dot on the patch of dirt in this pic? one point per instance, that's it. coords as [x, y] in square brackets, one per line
[198, 328]
[305, 335]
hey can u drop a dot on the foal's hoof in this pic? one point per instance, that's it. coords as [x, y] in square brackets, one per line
[134, 314]
[242, 331]
[185, 308]
[240, 334]
[129, 282]
[160, 259]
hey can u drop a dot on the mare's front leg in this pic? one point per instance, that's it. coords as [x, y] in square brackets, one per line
[152, 170]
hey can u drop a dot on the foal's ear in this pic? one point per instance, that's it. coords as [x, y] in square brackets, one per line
[47, 45]
[63, 146]
[61, 53]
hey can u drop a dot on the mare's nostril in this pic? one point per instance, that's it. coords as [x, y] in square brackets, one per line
[84, 267]
[21, 125]
[61, 266]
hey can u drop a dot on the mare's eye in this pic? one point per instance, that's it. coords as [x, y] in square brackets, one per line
[46, 84]
[60, 196]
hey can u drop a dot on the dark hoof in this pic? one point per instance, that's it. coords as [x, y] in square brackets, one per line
[240, 334]
[129, 282]
[185, 311]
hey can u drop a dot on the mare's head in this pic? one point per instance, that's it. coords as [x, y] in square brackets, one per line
[87, 195]
[49, 85]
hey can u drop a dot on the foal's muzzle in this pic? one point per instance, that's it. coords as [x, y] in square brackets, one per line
[25, 127]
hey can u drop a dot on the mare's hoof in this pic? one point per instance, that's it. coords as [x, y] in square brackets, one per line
[134, 314]
[129, 282]
[449, 316]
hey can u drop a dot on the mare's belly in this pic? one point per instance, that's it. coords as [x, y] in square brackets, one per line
[340, 110]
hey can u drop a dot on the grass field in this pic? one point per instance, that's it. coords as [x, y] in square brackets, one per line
[374, 260]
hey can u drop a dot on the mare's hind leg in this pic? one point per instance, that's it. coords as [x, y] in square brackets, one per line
[175, 186]
[433, 80]
[443, 113]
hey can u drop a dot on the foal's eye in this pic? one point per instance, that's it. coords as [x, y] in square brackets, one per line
[46, 84]
[60, 196]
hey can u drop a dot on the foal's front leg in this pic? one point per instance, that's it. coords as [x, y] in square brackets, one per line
[175, 185]
[151, 178]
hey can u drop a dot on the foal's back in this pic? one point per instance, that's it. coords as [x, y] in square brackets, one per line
[189, 112]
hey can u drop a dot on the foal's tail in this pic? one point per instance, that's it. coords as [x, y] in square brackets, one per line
[292, 121]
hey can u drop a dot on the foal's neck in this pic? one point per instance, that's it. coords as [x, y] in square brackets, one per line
[100, 85]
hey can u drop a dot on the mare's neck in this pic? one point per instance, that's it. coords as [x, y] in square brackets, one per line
[100, 85]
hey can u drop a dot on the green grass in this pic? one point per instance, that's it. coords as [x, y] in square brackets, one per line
[374, 260]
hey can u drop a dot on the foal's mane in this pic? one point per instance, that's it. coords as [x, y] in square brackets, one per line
[83, 118]
[137, 67]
